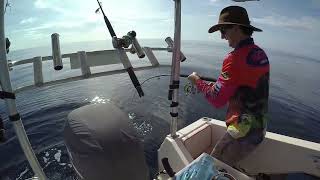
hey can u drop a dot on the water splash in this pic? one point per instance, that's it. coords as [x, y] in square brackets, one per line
[132, 115]
[57, 156]
[99, 100]
[144, 128]
[55, 162]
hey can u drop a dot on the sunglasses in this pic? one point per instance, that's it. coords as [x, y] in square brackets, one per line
[223, 30]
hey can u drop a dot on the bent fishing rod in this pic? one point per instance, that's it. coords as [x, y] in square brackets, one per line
[119, 44]
[201, 77]
[181, 75]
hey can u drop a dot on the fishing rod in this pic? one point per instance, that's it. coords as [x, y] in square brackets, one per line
[106, 20]
[181, 75]
[201, 77]
[119, 44]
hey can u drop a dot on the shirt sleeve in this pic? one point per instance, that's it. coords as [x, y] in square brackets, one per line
[220, 92]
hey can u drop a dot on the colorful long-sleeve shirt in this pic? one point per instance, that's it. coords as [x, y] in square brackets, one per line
[244, 85]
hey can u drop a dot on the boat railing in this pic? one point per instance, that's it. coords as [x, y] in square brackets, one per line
[83, 60]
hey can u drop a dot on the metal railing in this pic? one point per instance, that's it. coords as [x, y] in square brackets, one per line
[84, 61]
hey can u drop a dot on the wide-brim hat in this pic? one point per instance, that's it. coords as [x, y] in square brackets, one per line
[233, 15]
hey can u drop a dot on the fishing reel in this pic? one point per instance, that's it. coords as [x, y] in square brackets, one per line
[189, 88]
[126, 41]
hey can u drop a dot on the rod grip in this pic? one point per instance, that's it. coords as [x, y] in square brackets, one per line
[135, 81]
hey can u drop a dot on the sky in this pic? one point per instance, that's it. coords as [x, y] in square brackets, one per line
[288, 25]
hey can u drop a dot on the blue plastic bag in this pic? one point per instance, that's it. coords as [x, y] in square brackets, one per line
[203, 169]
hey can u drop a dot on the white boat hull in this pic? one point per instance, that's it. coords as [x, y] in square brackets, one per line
[277, 154]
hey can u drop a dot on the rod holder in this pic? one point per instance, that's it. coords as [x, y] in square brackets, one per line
[169, 41]
[152, 58]
[85, 68]
[37, 71]
[135, 44]
[56, 53]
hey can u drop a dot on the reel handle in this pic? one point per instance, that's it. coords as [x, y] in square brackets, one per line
[201, 77]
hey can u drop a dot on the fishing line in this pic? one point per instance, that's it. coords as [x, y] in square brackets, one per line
[188, 88]
[152, 77]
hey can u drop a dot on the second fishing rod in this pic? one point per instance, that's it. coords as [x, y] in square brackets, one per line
[119, 44]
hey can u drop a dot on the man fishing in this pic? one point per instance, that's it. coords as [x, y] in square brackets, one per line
[243, 84]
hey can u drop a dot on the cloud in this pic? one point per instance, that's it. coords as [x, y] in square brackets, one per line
[69, 15]
[34, 35]
[63, 25]
[52, 4]
[91, 23]
[216, 2]
[97, 20]
[302, 23]
[41, 4]
[28, 20]
[74, 19]
[83, 12]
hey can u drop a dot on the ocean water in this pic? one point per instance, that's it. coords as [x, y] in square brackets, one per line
[294, 103]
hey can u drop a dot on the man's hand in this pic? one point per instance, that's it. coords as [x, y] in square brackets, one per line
[193, 77]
